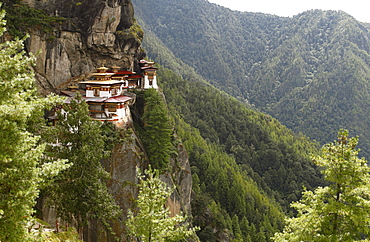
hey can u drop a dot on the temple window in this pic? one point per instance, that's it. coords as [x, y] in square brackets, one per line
[95, 107]
[96, 92]
[112, 107]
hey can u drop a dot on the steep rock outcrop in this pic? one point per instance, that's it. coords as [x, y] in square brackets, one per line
[94, 33]
[180, 178]
[126, 158]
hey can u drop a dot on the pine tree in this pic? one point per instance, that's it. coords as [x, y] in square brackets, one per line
[20, 149]
[153, 222]
[157, 135]
[236, 229]
[340, 211]
[80, 192]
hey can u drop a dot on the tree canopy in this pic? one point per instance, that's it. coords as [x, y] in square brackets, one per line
[339, 211]
[155, 130]
[20, 149]
[80, 192]
[152, 221]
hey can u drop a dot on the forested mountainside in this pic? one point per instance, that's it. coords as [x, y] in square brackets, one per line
[311, 72]
[273, 155]
[242, 161]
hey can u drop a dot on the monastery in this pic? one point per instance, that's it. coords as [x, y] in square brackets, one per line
[104, 91]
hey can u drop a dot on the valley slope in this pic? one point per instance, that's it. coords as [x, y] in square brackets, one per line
[311, 72]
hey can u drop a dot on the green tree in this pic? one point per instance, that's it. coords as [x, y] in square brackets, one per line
[80, 192]
[236, 229]
[20, 149]
[339, 211]
[157, 132]
[153, 221]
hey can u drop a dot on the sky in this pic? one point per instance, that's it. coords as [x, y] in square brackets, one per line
[359, 9]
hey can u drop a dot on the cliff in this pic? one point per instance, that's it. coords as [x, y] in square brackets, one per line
[122, 166]
[95, 33]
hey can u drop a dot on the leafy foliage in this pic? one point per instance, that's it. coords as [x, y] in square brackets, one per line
[153, 222]
[80, 192]
[22, 19]
[20, 150]
[70, 235]
[338, 212]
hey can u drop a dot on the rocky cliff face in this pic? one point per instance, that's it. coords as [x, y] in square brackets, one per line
[126, 158]
[94, 33]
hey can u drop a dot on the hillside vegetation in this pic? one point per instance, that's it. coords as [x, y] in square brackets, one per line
[242, 161]
[311, 72]
[268, 151]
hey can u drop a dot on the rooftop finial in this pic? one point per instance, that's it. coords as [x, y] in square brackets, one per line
[102, 69]
[115, 68]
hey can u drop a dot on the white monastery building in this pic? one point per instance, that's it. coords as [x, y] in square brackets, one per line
[104, 91]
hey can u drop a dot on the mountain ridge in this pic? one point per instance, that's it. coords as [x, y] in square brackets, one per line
[277, 64]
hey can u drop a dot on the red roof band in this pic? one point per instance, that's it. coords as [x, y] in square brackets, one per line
[115, 99]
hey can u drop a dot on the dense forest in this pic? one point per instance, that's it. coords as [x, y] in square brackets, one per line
[255, 140]
[311, 71]
[236, 155]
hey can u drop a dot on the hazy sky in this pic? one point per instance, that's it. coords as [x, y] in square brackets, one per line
[360, 9]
